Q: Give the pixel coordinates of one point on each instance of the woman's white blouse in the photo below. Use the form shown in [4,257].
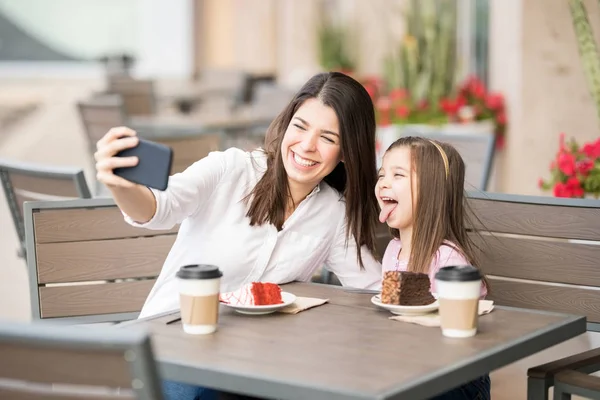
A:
[206,199]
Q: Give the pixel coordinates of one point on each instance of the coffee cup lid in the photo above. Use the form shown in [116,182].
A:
[458,273]
[201,271]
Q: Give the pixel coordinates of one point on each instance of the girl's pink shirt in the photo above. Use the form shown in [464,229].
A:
[445,256]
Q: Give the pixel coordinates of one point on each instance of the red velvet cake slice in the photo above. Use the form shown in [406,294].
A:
[254,294]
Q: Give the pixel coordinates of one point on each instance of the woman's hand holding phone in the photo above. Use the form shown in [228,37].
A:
[107,148]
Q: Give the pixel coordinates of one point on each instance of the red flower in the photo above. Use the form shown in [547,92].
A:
[474,86]
[501,118]
[402,111]
[500,140]
[575,187]
[398,94]
[566,163]
[560,190]
[423,104]
[494,101]
[540,183]
[370,88]
[592,150]
[572,188]
[584,167]
[383,107]
[561,140]
[450,106]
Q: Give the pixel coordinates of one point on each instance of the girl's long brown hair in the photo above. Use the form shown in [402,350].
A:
[353,178]
[439,212]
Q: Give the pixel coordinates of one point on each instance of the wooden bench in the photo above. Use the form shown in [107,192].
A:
[87,264]
[540,253]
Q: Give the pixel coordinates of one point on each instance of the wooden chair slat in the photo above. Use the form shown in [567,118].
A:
[55,365]
[81,224]
[102,259]
[50,392]
[93,299]
[542,296]
[540,260]
[546,220]
[62,187]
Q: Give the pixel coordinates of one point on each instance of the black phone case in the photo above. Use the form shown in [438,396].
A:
[153,168]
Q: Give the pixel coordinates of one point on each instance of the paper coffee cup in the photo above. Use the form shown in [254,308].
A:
[458,290]
[199,287]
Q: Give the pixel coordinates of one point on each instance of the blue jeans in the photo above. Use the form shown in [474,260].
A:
[478,389]
[183,391]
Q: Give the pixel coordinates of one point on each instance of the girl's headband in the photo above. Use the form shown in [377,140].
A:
[444,156]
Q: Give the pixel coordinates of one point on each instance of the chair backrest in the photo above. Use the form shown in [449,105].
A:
[27,181]
[138,94]
[45,361]
[99,114]
[476,150]
[86,264]
[223,87]
[537,252]
[540,252]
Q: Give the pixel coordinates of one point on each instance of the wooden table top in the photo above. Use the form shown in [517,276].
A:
[347,349]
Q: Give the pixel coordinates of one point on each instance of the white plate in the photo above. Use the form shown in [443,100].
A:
[287,298]
[405,310]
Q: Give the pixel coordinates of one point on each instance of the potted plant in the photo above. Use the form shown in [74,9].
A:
[575,171]
[419,85]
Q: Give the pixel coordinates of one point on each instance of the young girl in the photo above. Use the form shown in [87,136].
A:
[420,191]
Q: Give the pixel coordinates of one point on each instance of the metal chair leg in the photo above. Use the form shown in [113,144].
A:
[537,389]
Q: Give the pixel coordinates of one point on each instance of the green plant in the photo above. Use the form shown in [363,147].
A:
[426,62]
[588,50]
[334,47]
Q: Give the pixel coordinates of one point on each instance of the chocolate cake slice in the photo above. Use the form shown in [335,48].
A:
[406,288]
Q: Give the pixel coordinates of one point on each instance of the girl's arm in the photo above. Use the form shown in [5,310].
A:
[448,256]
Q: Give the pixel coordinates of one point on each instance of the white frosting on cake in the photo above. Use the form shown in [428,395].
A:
[241,297]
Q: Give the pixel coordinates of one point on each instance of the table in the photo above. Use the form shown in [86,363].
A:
[347,349]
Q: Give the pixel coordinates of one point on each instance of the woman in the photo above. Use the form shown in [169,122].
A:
[273,215]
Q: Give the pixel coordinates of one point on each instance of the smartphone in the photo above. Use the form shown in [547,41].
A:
[153,168]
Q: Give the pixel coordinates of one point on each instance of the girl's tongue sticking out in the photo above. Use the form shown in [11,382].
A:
[389,205]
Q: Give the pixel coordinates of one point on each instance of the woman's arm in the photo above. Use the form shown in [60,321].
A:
[188,190]
[343,262]
[151,208]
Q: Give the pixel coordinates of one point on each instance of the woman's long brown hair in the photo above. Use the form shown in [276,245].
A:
[353,179]
[439,211]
